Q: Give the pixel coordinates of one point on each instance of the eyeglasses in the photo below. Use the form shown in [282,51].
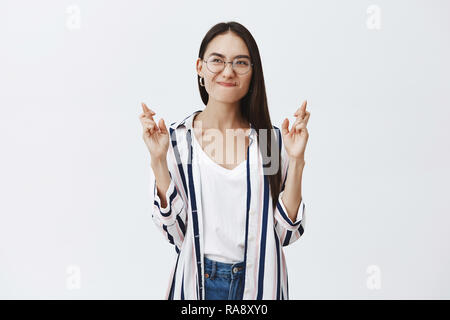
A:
[239,65]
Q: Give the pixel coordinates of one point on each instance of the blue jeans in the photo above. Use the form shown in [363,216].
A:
[224,281]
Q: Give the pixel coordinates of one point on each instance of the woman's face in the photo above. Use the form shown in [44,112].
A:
[229,45]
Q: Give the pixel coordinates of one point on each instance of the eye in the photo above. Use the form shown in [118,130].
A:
[242,62]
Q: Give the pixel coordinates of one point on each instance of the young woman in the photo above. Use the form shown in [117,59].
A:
[228,220]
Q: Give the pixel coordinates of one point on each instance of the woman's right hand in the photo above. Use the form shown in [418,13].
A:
[155,137]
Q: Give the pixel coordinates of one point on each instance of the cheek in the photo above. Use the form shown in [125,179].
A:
[209,81]
[245,82]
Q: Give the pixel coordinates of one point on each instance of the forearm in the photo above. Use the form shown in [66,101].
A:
[292,195]
[162,177]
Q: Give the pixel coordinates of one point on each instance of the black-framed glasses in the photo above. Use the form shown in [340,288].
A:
[239,65]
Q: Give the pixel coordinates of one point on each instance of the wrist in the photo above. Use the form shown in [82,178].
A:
[157,163]
[296,162]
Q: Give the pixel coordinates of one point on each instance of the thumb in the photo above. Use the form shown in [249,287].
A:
[285,127]
[162,126]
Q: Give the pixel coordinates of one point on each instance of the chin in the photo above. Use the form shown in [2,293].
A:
[227,98]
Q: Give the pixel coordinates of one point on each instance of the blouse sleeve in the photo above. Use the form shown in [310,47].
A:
[289,231]
[171,219]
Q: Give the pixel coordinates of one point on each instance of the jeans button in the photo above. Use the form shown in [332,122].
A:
[235,269]
[206,275]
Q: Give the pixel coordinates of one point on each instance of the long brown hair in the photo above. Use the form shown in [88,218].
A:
[254,104]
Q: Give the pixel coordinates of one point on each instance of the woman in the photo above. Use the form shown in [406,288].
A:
[228,221]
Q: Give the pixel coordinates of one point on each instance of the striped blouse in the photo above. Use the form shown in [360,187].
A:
[267,230]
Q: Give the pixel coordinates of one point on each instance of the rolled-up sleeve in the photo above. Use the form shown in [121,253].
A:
[289,231]
[174,204]
[171,219]
[285,220]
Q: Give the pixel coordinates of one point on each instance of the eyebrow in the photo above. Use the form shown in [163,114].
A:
[222,56]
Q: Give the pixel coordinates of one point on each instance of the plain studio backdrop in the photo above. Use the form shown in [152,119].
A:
[76,199]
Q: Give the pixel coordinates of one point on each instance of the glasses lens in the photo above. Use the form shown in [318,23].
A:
[215,64]
[241,65]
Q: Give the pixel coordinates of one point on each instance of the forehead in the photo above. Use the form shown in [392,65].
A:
[228,44]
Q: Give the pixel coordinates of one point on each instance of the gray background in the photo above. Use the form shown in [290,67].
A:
[75,210]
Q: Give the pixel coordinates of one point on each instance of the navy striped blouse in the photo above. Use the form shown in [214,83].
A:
[267,230]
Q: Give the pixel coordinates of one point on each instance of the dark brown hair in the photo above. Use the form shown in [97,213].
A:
[253,105]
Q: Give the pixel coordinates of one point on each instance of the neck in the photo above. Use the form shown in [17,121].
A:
[221,115]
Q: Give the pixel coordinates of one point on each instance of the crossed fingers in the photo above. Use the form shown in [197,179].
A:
[302,117]
[147,119]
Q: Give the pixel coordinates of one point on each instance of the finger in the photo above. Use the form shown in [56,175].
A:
[142,119]
[153,127]
[148,112]
[301,111]
[146,109]
[142,116]
[150,125]
[297,121]
[306,119]
[285,126]
[299,127]
[294,127]
[146,121]
[304,131]
[300,119]
[162,126]
[298,112]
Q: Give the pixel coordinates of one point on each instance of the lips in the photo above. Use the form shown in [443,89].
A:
[226,84]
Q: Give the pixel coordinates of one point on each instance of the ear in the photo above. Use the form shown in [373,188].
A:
[199,65]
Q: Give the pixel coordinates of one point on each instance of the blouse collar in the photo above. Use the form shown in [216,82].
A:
[188,121]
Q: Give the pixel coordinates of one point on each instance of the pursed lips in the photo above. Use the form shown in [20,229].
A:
[225,84]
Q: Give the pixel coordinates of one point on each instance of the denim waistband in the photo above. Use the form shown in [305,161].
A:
[215,268]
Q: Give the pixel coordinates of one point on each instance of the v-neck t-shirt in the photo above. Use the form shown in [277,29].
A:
[224,195]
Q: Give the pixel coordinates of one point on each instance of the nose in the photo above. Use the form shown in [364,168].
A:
[228,71]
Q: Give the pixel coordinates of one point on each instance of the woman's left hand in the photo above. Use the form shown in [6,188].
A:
[295,139]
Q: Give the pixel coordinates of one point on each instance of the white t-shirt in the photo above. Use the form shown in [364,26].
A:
[224,219]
